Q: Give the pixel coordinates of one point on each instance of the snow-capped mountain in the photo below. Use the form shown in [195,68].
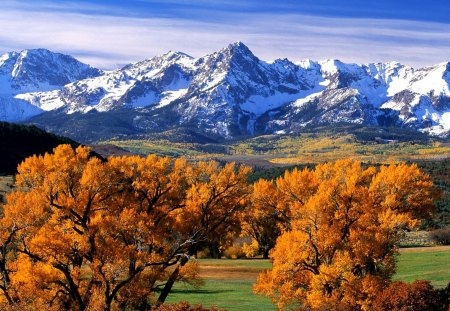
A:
[425,102]
[36,70]
[226,94]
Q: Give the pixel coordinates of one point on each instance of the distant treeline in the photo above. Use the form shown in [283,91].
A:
[440,174]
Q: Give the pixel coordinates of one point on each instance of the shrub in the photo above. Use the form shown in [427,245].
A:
[202,254]
[440,236]
[235,251]
[417,296]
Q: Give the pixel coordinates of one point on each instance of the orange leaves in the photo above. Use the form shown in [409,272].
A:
[264,218]
[93,234]
[403,188]
[214,196]
[297,186]
[345,223]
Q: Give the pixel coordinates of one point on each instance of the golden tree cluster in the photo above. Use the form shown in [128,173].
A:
[84,234]
[80,233]
[344,224]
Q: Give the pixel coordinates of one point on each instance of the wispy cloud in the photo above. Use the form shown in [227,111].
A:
[100,36]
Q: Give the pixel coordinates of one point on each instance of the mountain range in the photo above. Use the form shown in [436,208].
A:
[224,95]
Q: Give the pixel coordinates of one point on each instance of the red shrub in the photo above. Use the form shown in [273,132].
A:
[183,306]
[418,296]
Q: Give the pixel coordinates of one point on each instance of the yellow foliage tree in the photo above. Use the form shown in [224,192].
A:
[345,224]
[82,234]
[264,218]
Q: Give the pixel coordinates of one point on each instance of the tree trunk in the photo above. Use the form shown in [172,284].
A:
[214,250]
[108,303]
[6,281]
[172,278]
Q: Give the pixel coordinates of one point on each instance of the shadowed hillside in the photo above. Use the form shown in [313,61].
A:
[18,142]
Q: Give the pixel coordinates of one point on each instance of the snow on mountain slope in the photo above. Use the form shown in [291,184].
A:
[293,82]
[433,79]
[230,92]
[40,70]
[149,82]
[232,88]
[31,71]
[14,110]
[425,101]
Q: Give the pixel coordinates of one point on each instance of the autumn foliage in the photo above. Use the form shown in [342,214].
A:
[418,296]
[82,234]
[264,218]
[345,223]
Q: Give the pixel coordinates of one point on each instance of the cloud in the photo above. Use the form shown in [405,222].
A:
[108,40]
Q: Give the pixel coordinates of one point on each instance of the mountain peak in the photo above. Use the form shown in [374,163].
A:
[308,64]
[40,70]
[45,54]
[37,51]
[238,44]
[446,68]
[238,47]
[237,53]
[333,66]
[235,56]
[332,62]
[176,54]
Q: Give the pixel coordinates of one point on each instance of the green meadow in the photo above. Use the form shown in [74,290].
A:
[228,282]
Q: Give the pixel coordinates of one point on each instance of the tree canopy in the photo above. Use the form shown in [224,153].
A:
[345,223]
[79,233]
[82,234]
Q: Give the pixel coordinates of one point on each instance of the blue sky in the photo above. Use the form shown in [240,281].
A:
[112,33]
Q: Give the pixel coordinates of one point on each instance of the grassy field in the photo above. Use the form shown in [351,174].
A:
[228,283]
[425,263]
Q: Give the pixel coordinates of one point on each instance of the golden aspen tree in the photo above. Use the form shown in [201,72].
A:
[264,218]
[84,234]
[90,234]
[345,224]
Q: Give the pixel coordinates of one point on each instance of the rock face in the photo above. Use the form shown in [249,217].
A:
[227,94]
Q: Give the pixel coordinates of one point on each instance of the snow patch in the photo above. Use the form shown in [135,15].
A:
[170,96]
[445,120]
[431,80]
[303,101]
[144,101]
[44,100]
[258,104]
